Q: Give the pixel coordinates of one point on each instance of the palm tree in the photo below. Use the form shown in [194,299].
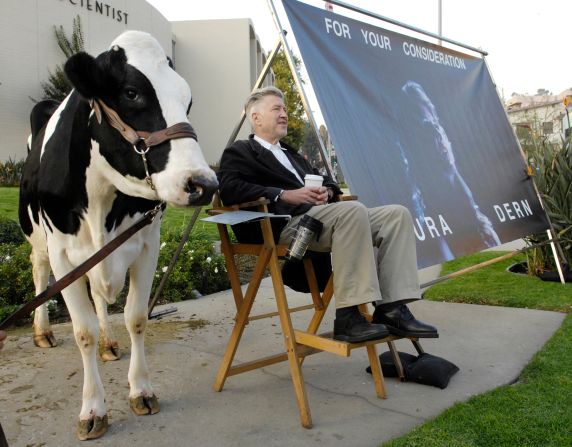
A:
[58,86]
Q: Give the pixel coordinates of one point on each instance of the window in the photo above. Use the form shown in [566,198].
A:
[547,128]
[523,130]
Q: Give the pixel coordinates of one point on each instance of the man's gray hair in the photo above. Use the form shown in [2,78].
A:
[257,95]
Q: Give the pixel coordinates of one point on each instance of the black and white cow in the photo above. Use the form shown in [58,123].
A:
[83,184]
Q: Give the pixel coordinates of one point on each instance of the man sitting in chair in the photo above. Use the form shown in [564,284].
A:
[262,166]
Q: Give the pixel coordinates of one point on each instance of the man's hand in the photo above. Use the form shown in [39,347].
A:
[2,338]
[313,195]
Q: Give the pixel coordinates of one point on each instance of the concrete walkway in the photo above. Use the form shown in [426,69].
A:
[41,389]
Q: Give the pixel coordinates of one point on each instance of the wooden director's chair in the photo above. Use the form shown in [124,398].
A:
[299,344]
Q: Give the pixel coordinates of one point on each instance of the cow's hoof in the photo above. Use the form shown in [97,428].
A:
[92,428]
[110,352]
[144,405]
[45,340]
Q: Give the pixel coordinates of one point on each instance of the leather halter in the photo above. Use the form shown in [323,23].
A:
[140,140]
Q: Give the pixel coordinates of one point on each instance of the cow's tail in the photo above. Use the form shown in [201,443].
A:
[40,116]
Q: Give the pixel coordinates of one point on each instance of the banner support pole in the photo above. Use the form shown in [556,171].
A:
[484,264]
[301,91]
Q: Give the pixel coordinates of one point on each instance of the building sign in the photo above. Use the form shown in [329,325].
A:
[420,125]
[101,8]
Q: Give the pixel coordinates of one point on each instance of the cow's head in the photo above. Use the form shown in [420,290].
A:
[134,78]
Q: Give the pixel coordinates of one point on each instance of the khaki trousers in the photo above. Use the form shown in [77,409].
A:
[373,251]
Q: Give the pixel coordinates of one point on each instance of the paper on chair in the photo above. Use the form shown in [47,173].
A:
[236,217]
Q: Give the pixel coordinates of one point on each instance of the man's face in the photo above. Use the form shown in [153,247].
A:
[270,119]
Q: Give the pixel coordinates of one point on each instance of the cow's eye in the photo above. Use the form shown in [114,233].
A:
[131,94]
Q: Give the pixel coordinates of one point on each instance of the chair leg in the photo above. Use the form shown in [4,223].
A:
[418,346]
[319,313]
[396,360]
[376,371]
[290,342]
[241,319]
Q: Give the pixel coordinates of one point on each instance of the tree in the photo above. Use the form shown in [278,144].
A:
[58,85]
[310,147]
[284,80]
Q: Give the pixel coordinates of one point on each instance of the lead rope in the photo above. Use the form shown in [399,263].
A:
[25,309]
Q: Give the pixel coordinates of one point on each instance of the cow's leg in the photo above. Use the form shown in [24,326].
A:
[141,396]
[93,415]
[43,335]
[108,346]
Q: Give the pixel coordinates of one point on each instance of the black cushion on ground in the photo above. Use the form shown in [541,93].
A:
[431,370]
[426,369]
[388,368]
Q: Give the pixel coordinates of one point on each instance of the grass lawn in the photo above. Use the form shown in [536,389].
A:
[537,409]
[497,287]
[175,218]
[9,202]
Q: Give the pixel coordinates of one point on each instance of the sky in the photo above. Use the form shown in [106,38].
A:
[528,41]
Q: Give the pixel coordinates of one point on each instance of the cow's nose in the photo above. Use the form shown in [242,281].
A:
[201,190]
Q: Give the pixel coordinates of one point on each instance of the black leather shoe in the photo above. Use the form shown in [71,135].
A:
[352,327]
[400,321]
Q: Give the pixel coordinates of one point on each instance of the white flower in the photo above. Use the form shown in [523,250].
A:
[162,245]
[209,259]
[164,269]
[8,257]
[216,269]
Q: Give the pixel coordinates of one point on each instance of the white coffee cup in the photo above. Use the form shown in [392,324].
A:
[313,180]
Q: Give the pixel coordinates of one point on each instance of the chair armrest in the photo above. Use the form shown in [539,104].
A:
[260,203]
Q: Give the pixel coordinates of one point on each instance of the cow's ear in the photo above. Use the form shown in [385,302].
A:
[97,77]
[83,72]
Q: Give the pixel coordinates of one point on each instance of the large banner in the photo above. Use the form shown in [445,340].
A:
[420,125]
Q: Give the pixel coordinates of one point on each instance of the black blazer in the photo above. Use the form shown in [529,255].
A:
[249,171]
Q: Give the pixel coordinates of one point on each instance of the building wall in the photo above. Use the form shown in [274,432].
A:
[29,49]
[221,60]
[540,115]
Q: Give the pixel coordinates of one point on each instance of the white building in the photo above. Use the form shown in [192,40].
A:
[220,59]
[546,116]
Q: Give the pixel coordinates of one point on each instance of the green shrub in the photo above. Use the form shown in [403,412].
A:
[17,285]
[10,232]
[551,167]
[198,268]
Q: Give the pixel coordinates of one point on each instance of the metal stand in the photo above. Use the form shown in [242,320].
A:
[173,261]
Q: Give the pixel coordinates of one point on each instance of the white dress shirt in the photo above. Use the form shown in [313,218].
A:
[278,152]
